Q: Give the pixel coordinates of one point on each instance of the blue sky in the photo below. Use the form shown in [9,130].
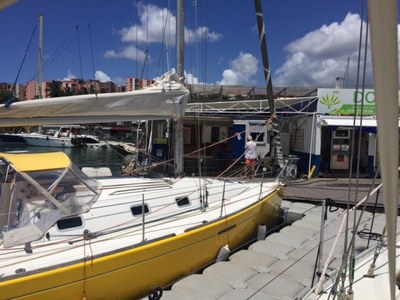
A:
[309,41]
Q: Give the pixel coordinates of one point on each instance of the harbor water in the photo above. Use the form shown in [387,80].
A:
[82,157]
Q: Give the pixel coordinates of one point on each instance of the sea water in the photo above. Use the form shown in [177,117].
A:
[82,157]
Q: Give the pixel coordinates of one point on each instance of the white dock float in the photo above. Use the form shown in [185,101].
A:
[281,266]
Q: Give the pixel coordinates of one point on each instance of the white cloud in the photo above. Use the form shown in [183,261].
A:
[152,26]
[320,56]
[156,25]
[130,52]
[101,76]
[119,80]
[69,76]
[242,70]
[190,78]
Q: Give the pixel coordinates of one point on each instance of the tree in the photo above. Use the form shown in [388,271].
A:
[84,91]
[5,96]
[67,91]
[54,89]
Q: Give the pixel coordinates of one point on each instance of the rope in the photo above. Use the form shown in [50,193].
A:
[86,237]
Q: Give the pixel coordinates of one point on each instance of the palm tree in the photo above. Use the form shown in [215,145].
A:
[54,89]
[67,91]
[7,96]
[4,96]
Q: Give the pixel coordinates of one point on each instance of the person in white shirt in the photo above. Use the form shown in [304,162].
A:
[250,155]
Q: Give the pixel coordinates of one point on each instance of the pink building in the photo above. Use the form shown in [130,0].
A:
[74,85]
[31,90]
[79,86]
[133,84]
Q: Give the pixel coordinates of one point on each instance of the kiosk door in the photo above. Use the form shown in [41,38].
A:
[340,151]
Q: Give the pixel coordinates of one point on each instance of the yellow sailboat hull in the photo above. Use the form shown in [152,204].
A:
[135,272]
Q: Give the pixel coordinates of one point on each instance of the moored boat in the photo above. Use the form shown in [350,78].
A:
[67,236]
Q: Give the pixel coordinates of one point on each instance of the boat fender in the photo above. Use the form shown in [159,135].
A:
[223,253]
[156,295]
[262,232]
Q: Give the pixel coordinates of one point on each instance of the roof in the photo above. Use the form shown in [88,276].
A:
[347,121]
[247,107]
[37,161]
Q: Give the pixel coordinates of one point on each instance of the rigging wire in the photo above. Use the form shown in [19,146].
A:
[352,148]
[353,250]
[169,35]
[79,50]
[163,43]
[12,96]
[91,49]
[136,47]
[57,53]
[147,42]
[364,201]
[195,37]
[146,52]
[205,50]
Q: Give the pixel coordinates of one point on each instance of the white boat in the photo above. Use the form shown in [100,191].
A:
[43,140]
[57,140]
[36,139]
[88,141]
[373,274]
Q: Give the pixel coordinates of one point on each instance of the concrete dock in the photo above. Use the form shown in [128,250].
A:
[284,264]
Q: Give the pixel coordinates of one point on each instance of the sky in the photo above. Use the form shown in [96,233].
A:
[310,42]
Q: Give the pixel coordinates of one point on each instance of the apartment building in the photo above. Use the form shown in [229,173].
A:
[133,83]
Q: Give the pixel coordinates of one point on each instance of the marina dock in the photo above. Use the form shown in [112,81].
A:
[285,264]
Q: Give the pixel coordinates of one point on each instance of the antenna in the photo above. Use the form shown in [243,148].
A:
[346,74]
[339,81]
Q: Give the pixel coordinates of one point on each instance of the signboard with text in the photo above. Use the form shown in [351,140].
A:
[346,102]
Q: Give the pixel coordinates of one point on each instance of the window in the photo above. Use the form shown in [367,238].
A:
[187,135]
[182,201]
[214,134]
[138,210]
[69,223]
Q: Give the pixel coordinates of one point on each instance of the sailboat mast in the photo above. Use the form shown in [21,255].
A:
[383,24]
[40,56]
[268,81]
[180,43]
[180,37]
